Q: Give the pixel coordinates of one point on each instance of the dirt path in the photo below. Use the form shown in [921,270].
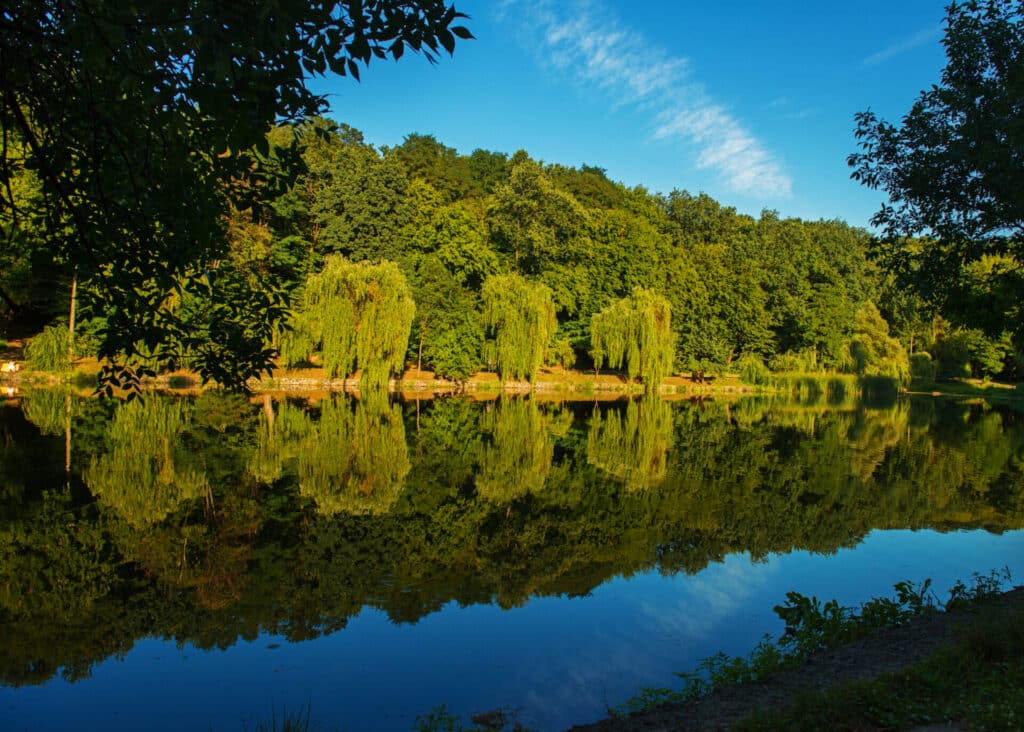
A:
[885,652]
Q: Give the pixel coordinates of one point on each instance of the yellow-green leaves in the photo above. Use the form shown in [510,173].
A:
[357,316]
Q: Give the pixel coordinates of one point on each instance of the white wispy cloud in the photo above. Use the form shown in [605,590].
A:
[579,38]
[921,38]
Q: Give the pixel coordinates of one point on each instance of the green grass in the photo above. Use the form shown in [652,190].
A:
[979,683]
[812,626]
[977,389]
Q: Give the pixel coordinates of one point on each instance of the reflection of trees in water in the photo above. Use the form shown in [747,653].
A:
[872,434]
[281,437]
[144,475]
[352,459]
[517,458]
[355,461]
[47,409]
[633,447]
[740,477]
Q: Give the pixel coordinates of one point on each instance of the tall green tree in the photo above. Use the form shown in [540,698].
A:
[874,351]
[533,222]
[952,168]
[635,332]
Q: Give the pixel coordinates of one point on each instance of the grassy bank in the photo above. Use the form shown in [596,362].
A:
[978,684]
[969,389]
[775,687]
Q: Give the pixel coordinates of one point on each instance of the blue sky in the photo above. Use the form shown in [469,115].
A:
[749,102]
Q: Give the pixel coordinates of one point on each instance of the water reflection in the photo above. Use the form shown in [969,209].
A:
[632,447]
[211,519]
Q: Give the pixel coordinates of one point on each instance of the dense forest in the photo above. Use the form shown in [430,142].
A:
[215,518]
[417,255]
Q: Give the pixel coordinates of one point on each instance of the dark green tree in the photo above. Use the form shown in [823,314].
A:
[141,119]
[952,168]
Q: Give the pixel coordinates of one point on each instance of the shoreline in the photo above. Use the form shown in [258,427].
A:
[873,659]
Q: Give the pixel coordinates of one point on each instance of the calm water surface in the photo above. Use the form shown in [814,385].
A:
[202,563]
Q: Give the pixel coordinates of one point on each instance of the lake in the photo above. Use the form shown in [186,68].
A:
[208,562]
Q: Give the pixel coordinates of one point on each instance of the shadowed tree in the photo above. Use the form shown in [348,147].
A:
[140,119]
[952,168]
[874,351]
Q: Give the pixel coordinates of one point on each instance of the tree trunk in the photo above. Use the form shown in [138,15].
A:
[71,317]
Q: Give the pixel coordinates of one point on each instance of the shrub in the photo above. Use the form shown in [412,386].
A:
[922,367]
[793,361]
[48,351]
[752,369]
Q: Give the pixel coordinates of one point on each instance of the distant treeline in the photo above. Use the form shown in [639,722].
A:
[497,262]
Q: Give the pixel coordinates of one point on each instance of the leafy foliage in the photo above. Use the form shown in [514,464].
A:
[635,332]
[521,317]
[50,350]
[357,316]
[951,168]
[874,351]
[144,126]
[812,626]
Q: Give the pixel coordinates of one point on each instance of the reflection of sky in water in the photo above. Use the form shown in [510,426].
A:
[559,660]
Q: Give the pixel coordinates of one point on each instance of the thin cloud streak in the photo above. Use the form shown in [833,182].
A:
[920,38]
[628,67]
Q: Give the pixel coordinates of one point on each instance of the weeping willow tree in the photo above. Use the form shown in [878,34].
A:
[142,476]
[355,460]
[874,351]
[635,332]
[633,447]
[357,316]
[518,457]
[520,317]
[281,438]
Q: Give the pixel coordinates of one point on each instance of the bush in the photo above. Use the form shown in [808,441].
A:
[48,351]
[752,369]
[922,367]
[561,353]
[793,361]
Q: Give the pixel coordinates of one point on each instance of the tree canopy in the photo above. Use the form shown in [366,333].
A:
[144,122]
[952,168]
